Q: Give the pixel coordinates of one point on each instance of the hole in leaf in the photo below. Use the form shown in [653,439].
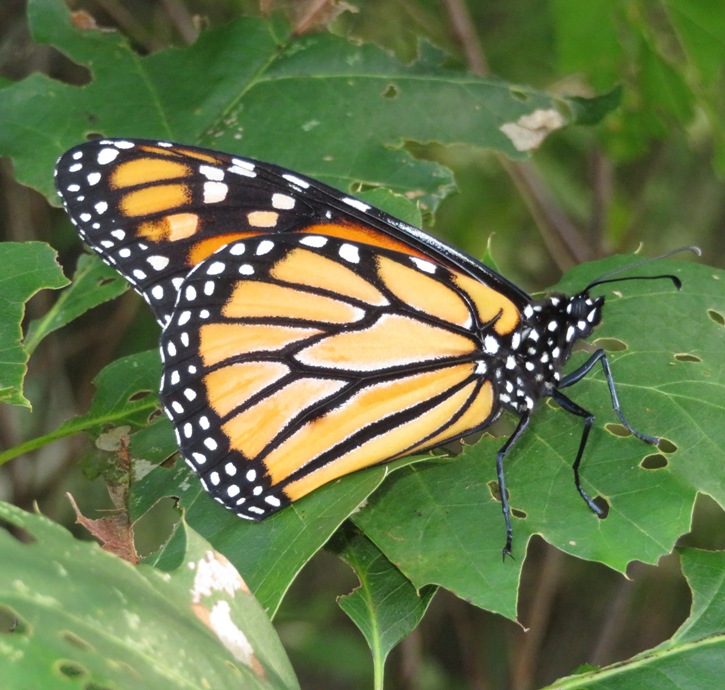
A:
[666,446]
[503,427]
[391,91]
[550,403]
[716,316]
[76,641]
[603,506]
[687,357]
[11,622]
[521,514]
[71,669]
[617,430]
[139,395]
[20,533]
[611,344]
[106,281]
[656,461]
[494,490]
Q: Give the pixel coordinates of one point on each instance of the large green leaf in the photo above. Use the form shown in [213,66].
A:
[24,270]
[385,607]
[71,613]
[439,522]
[330,108]
[695,655]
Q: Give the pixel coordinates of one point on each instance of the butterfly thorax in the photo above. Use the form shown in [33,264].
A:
[529,363]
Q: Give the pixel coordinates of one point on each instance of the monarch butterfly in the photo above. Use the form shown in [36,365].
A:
[306,334]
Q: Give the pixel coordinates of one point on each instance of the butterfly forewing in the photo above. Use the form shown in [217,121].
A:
[291,361]
[154,210]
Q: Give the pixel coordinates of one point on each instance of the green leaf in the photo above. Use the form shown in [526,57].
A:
[93,283]
[385,607]
[671,381]
[268,554]
[330,108]
[25,269]
[588,40]
[72,613]
[591,111]
[695,655]
[703,571]
[126,394]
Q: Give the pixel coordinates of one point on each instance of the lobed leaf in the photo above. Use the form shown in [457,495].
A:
[25,269]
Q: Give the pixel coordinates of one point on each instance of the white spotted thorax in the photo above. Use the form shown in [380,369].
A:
[534,354]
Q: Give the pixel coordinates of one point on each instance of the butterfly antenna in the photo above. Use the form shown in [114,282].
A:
[610,277]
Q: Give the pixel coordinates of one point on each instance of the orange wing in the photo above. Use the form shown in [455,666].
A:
[154,210]
[295,359]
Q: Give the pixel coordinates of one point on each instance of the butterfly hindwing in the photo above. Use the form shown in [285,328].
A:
[295,359]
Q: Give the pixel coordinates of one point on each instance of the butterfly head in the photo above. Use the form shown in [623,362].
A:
[551,327]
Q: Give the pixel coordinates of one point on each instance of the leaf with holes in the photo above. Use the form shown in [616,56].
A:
[72,613]
[341,111]
[450,506]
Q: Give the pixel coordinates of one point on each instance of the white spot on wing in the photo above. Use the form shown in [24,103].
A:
[316,241]
[356,203]
[423,265]
[264,247]
[349,252]
[216,268]
[214,192]
[107,155]
[282,201]
[211,173]
[158,263]
[293,179]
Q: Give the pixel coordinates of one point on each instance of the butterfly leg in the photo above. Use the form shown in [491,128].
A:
[583,370]
[523,423]
[570,406]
